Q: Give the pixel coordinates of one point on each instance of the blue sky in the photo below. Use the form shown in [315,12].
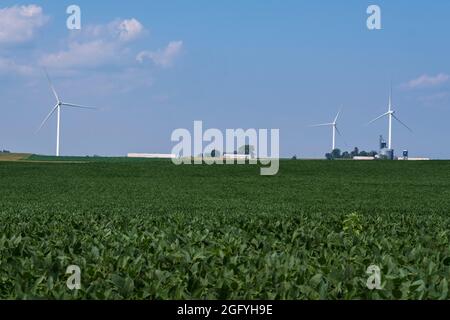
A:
[155,66]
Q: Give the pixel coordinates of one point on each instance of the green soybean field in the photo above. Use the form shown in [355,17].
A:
[147,229]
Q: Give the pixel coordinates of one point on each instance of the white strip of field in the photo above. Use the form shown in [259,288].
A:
[151,155]
[364,158]
[237,156]
[415,159]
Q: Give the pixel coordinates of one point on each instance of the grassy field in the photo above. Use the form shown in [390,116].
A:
[147,229]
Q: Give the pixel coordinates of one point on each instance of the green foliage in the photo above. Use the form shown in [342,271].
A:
[352,224]
[152,230]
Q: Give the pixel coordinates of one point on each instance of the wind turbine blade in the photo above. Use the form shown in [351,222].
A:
[77,106]
[46,118]
[322,125]
[51,85]
[340,134]
[383,115]
[337,116]
[402,123]
[390,97]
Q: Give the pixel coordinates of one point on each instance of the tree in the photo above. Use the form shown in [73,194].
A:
[346,155]
[355,152]
[336,153]
[363,154]
[329,156]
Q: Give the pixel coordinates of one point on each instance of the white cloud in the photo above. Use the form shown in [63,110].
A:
[88,54]
[18,24]
[163,58]
[118,30]
[107,46]
[426,81]
[130,29]
[9,67]
[96,45]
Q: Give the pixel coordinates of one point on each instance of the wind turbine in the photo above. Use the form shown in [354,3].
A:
[57,108]
[391,115]
[334,126]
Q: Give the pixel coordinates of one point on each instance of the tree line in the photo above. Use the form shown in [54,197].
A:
[338,154]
